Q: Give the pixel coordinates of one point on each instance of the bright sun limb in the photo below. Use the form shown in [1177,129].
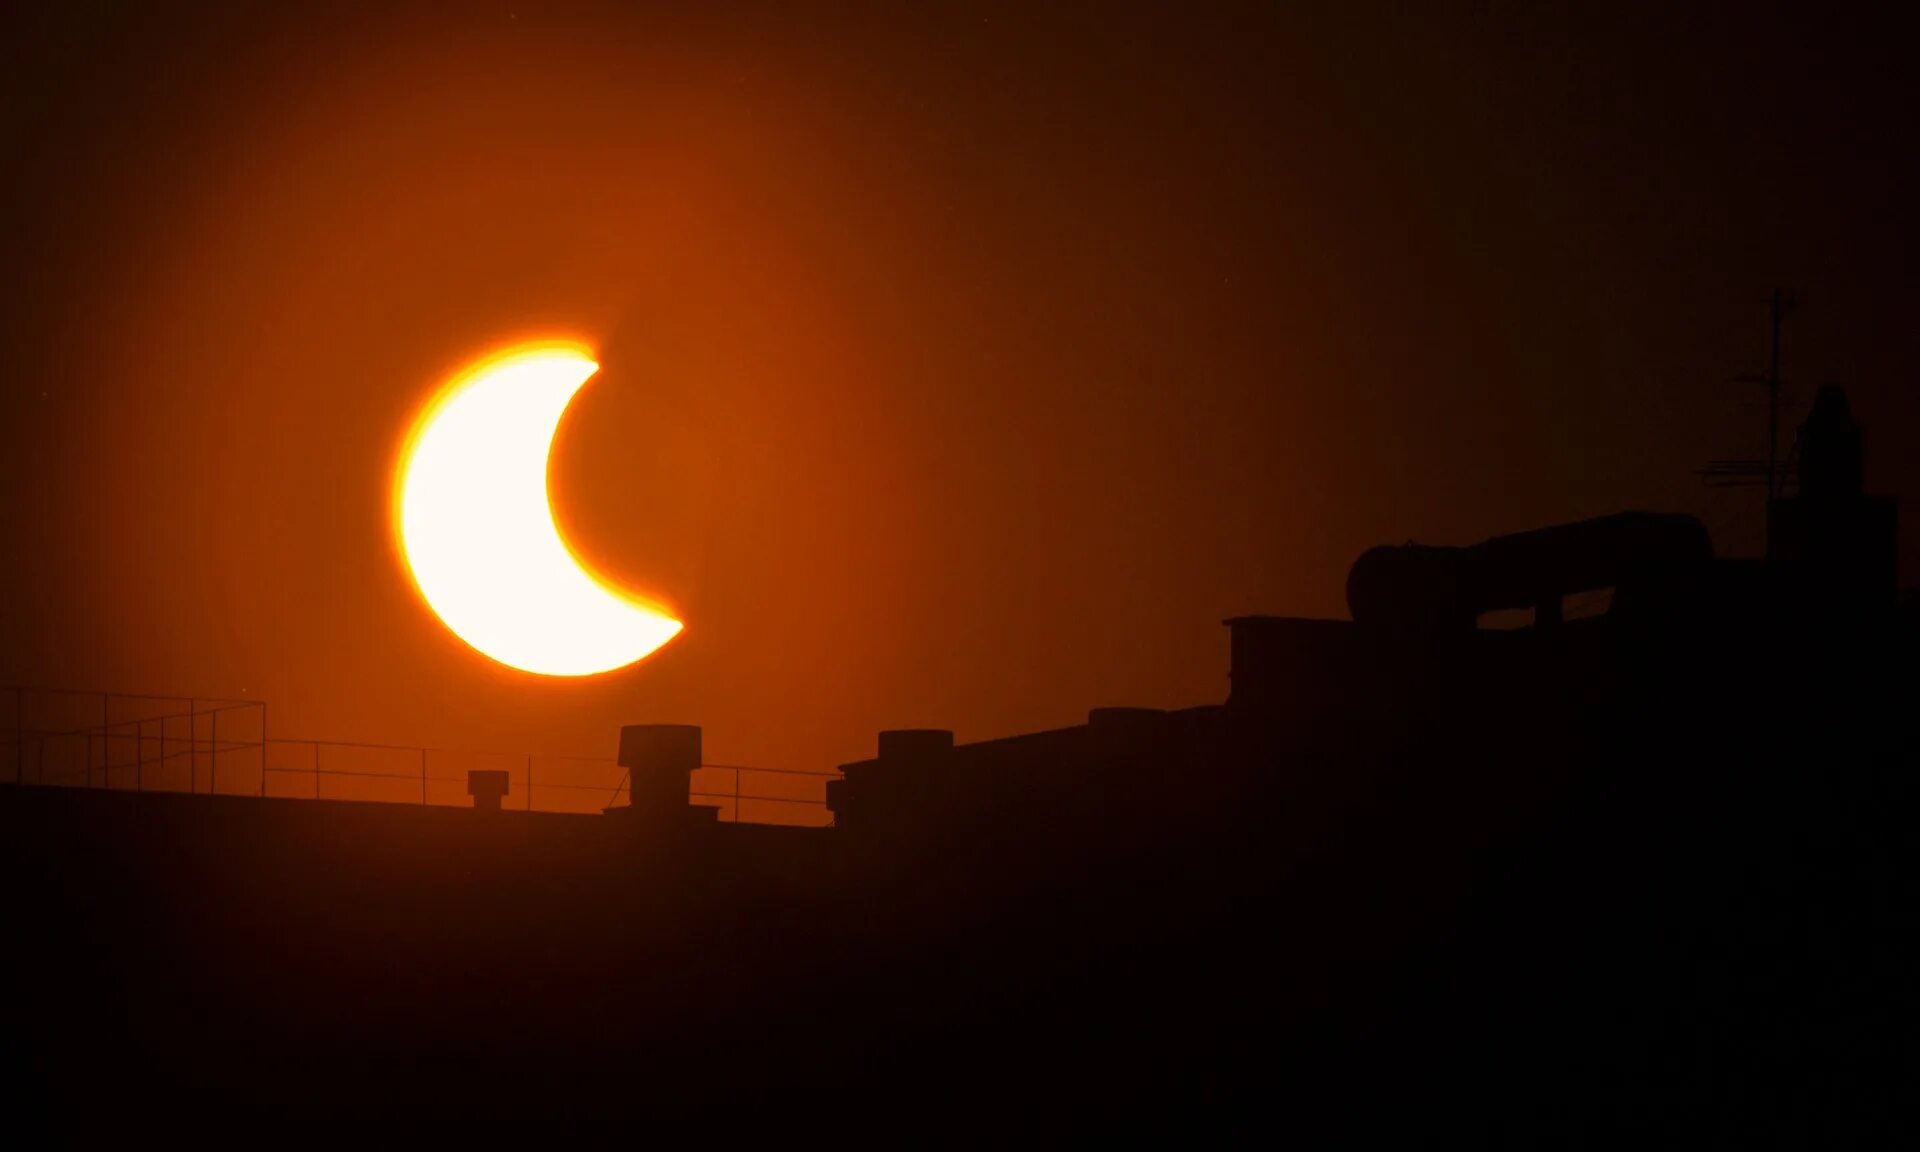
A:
[477,528]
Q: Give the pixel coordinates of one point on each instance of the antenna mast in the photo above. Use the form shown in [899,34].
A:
[1773,407]
[1772,471]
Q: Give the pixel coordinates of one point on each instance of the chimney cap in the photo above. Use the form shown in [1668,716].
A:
[660,746]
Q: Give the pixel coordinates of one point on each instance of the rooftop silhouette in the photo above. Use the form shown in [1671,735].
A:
[1598,875]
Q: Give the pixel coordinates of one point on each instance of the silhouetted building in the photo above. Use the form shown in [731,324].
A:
[1642,872]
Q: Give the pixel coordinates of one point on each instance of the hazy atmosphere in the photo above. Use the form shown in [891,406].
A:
[962,369]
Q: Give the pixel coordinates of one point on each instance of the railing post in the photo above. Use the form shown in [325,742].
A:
[213,758]
[736,795]
[423,777]
[263,749]
[193,749]
[316,769]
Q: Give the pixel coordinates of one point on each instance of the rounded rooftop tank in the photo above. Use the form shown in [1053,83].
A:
[1422,586]
[915,743]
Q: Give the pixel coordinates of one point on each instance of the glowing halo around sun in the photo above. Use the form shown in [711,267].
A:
[477,530]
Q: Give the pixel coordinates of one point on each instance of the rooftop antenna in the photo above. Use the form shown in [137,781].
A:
[1772,381]
[1772,471]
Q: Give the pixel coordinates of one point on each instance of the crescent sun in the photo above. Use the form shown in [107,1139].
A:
[477,529]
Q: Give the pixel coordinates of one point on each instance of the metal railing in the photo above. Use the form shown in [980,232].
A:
[737,797]
[414,774]
[220,746]
[133,740]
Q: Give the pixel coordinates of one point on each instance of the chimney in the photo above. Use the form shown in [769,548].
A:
[660,759]
[1836,547]
[1830,456]
[487,788]
[894,786]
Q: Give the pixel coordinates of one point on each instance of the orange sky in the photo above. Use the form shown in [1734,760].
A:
[961,369]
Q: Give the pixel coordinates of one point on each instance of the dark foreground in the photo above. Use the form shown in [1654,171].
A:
[1580,887]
